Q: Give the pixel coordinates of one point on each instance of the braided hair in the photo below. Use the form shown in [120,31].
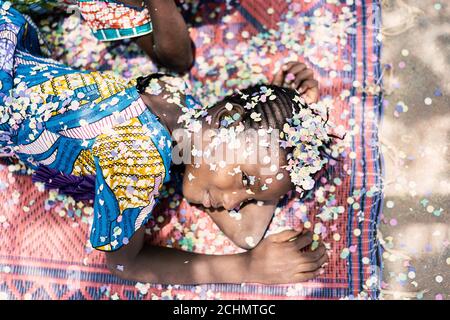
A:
[274,113]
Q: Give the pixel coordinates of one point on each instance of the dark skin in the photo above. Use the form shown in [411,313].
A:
[169,44]
[221,190]
[227,192]
[285,257]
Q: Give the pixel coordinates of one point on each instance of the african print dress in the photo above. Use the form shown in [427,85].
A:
[81,124]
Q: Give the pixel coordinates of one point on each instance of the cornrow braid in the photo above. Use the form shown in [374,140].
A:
[274,113]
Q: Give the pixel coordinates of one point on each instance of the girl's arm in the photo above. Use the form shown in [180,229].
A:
[277,259]
[169,43]
[150,264]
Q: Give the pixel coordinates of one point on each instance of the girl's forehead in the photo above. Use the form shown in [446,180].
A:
[251,139]
[268,183]
[275,171]
[261,150]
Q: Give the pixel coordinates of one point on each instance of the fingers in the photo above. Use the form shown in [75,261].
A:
[313,266]
[278,79]
[298,68]
[288,73]
[303,240]
[292,78]
[286,67]
[312,261]
[311,96]
[309,271]
[298,76]
[310,91]
[313,255]
[306,276]
[302,76]
[307,85]
[285,236]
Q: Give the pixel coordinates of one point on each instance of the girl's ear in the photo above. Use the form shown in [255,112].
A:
[227,115]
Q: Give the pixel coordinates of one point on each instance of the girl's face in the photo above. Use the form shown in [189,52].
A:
[237,170]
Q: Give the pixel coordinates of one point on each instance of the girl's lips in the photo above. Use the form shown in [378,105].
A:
[213,202]
[206,200]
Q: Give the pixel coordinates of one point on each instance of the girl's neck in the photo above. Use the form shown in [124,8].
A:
[167,113]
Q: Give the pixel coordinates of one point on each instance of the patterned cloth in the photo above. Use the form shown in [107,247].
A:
[40,6]
[227,58]
[111,20]
[82,124]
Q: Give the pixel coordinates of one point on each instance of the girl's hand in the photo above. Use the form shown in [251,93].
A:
[298,76]
[278,259]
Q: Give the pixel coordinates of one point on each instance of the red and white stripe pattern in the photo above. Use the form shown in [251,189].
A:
[42,144]
[8,35]
[49,160]
[25,62]
[94,129]
[148,209]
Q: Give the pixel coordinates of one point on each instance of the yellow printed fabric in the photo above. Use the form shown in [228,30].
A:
[129,176]
[89,134]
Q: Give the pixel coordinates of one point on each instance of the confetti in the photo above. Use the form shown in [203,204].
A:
[252,58]
[250,241]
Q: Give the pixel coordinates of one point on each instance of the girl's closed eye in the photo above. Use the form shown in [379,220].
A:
[245,180]
[248,182]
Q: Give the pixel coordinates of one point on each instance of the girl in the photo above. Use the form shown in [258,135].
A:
[157,26]
[87,127]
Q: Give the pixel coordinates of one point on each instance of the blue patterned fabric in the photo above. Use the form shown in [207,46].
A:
[77,124]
